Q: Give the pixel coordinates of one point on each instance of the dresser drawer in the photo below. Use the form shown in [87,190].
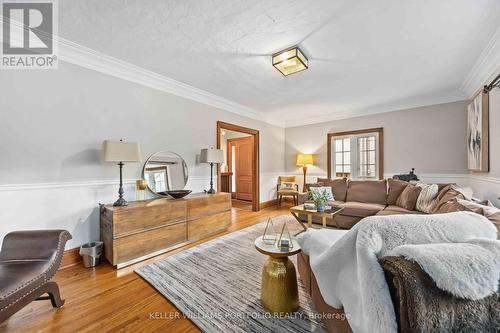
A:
[206,226]
[151,215]
[141,244]
[208,205]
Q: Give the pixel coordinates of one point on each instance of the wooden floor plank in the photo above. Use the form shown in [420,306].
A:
[107,300]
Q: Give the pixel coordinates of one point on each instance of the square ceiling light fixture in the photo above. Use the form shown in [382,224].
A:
[290,61]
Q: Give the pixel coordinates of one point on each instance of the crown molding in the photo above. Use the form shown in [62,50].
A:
[82,56]
[485,66]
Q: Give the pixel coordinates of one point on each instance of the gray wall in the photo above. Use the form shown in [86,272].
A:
[430,139]
[53,122]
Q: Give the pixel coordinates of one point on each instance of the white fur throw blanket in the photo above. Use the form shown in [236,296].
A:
[347,269]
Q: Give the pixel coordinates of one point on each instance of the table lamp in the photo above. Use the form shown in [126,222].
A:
[120,151]
[304,160]
[212,156]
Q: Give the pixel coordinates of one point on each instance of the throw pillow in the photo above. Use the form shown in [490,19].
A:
[308,186]
[287,186]
[321,189]
[339,187]
[426,197]
[445,195]
[408,198]
[396,187]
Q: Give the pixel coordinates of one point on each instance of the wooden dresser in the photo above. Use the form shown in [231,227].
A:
[147,228]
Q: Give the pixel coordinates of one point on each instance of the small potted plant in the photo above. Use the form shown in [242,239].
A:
[320,199]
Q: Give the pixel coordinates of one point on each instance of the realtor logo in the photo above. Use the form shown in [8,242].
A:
[28,28]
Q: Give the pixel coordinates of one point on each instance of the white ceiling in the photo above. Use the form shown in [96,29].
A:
[365,56]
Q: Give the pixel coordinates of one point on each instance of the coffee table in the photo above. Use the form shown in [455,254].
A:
[300,210]
[279,292]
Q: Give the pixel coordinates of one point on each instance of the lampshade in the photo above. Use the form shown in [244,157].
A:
[120,151]
[212,156]
[303,159]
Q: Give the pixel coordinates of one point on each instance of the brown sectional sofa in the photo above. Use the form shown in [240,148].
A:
[363,198]
[409,295]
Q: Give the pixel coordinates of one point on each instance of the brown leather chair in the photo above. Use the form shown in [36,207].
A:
[28,260]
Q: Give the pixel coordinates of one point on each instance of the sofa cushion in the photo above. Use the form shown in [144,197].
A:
[361,209]
[339,187]
[396,187]
[336,203]
[367,191]
[396,210]
[409,196]
[345,222]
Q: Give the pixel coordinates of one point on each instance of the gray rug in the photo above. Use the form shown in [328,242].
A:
[217,286]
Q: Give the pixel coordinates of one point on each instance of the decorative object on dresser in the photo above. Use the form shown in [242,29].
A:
[166,174]
[147,228]
[411,176]
[478,133]
[141,185]
[287,187]
[120,151]
[304,160]
[212,156]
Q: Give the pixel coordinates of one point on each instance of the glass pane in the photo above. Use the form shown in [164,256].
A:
[338,168]
[371,143]
[338,158]
[338,144]
[361,144]
[347,158]
[372,170]
[347,168]
[372,158]
[347,144]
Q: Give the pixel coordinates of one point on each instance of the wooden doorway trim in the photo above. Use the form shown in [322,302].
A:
[379,130]
[255,167]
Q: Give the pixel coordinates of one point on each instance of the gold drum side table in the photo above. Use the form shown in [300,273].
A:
[279,291]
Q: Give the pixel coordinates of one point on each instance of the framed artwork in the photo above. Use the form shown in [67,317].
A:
[478,133]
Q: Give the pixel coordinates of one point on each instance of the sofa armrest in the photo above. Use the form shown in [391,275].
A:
[303,197]
[34,244]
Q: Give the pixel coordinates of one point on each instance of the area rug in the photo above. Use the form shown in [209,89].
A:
[217,286]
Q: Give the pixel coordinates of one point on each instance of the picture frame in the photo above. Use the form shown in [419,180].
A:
[478,133]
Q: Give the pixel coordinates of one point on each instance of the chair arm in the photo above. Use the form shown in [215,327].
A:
[34,244]
[303,197]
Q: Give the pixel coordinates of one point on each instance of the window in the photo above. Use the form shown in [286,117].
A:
[342,157]
[356,154]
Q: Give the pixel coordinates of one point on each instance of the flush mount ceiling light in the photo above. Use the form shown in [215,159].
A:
[290,61]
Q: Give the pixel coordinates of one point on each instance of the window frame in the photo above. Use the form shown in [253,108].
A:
[380,147]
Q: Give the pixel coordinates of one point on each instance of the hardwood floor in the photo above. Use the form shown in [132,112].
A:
[108,300]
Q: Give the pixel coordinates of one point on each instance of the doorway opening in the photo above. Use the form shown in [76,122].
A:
[239,174]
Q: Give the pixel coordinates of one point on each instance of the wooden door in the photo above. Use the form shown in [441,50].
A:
[243,166]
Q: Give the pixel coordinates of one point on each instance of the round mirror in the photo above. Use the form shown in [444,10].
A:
[164,172]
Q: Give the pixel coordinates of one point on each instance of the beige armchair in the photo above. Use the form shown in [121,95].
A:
[287,186]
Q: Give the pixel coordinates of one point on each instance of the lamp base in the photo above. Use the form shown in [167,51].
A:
[211,191]
[120,202]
